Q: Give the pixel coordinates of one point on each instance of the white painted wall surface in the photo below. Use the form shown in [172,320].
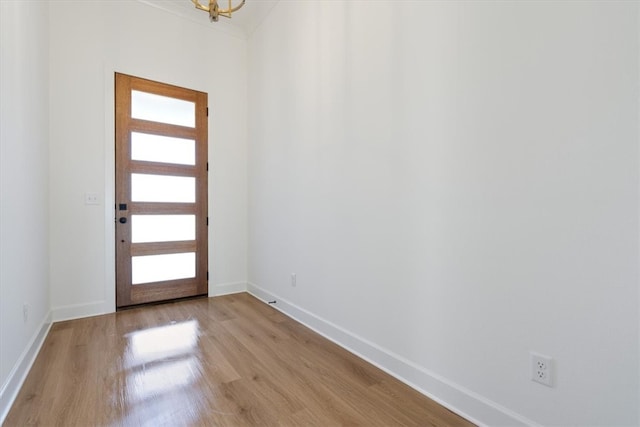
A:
[24,189]
[89,41]
[457,183]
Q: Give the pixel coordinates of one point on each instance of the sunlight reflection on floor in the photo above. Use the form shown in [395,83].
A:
[161,364]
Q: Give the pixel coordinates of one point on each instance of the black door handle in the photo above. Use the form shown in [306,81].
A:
[123,220]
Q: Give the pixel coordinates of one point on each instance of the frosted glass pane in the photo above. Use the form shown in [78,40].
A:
[162,188]
[157,268]
[158,108]
[165,149]
[162,228]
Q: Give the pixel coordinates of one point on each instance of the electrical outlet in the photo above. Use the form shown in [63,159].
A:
[293,279]
[542,369]
[25,312]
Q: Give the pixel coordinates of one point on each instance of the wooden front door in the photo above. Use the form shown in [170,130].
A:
[161,191]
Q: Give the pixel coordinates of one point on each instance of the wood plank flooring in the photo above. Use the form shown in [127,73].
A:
[230,361]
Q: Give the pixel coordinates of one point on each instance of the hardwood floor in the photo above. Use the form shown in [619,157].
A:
[228,360]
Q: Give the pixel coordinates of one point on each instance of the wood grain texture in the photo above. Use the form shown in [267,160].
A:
[128,294]
[230,361]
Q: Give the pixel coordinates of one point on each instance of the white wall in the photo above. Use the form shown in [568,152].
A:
[456,185]
[24,169]
[89,41]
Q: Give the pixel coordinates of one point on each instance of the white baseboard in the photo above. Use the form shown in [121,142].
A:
[227,289]
[18,374]
[77,311]
[456,398]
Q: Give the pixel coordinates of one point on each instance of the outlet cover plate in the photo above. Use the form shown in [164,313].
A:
[542,369]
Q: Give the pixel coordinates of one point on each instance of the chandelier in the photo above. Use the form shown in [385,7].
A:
[214,10]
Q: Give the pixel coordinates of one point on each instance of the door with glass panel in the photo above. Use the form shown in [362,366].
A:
[161,191]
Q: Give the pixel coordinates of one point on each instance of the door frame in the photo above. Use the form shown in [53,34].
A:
[104,301]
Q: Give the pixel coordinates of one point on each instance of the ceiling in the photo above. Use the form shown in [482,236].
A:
[242,24]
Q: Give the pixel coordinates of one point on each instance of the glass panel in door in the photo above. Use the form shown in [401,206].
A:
[162,109]
[158,268]
[162,228]
[162,188]
[164,149]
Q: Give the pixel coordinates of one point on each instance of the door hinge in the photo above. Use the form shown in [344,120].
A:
[207,166]
[207,220]
[207,275]
[207,111]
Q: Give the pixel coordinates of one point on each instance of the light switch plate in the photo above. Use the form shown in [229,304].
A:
[91,199]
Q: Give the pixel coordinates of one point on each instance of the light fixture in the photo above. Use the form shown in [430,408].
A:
[214,10]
